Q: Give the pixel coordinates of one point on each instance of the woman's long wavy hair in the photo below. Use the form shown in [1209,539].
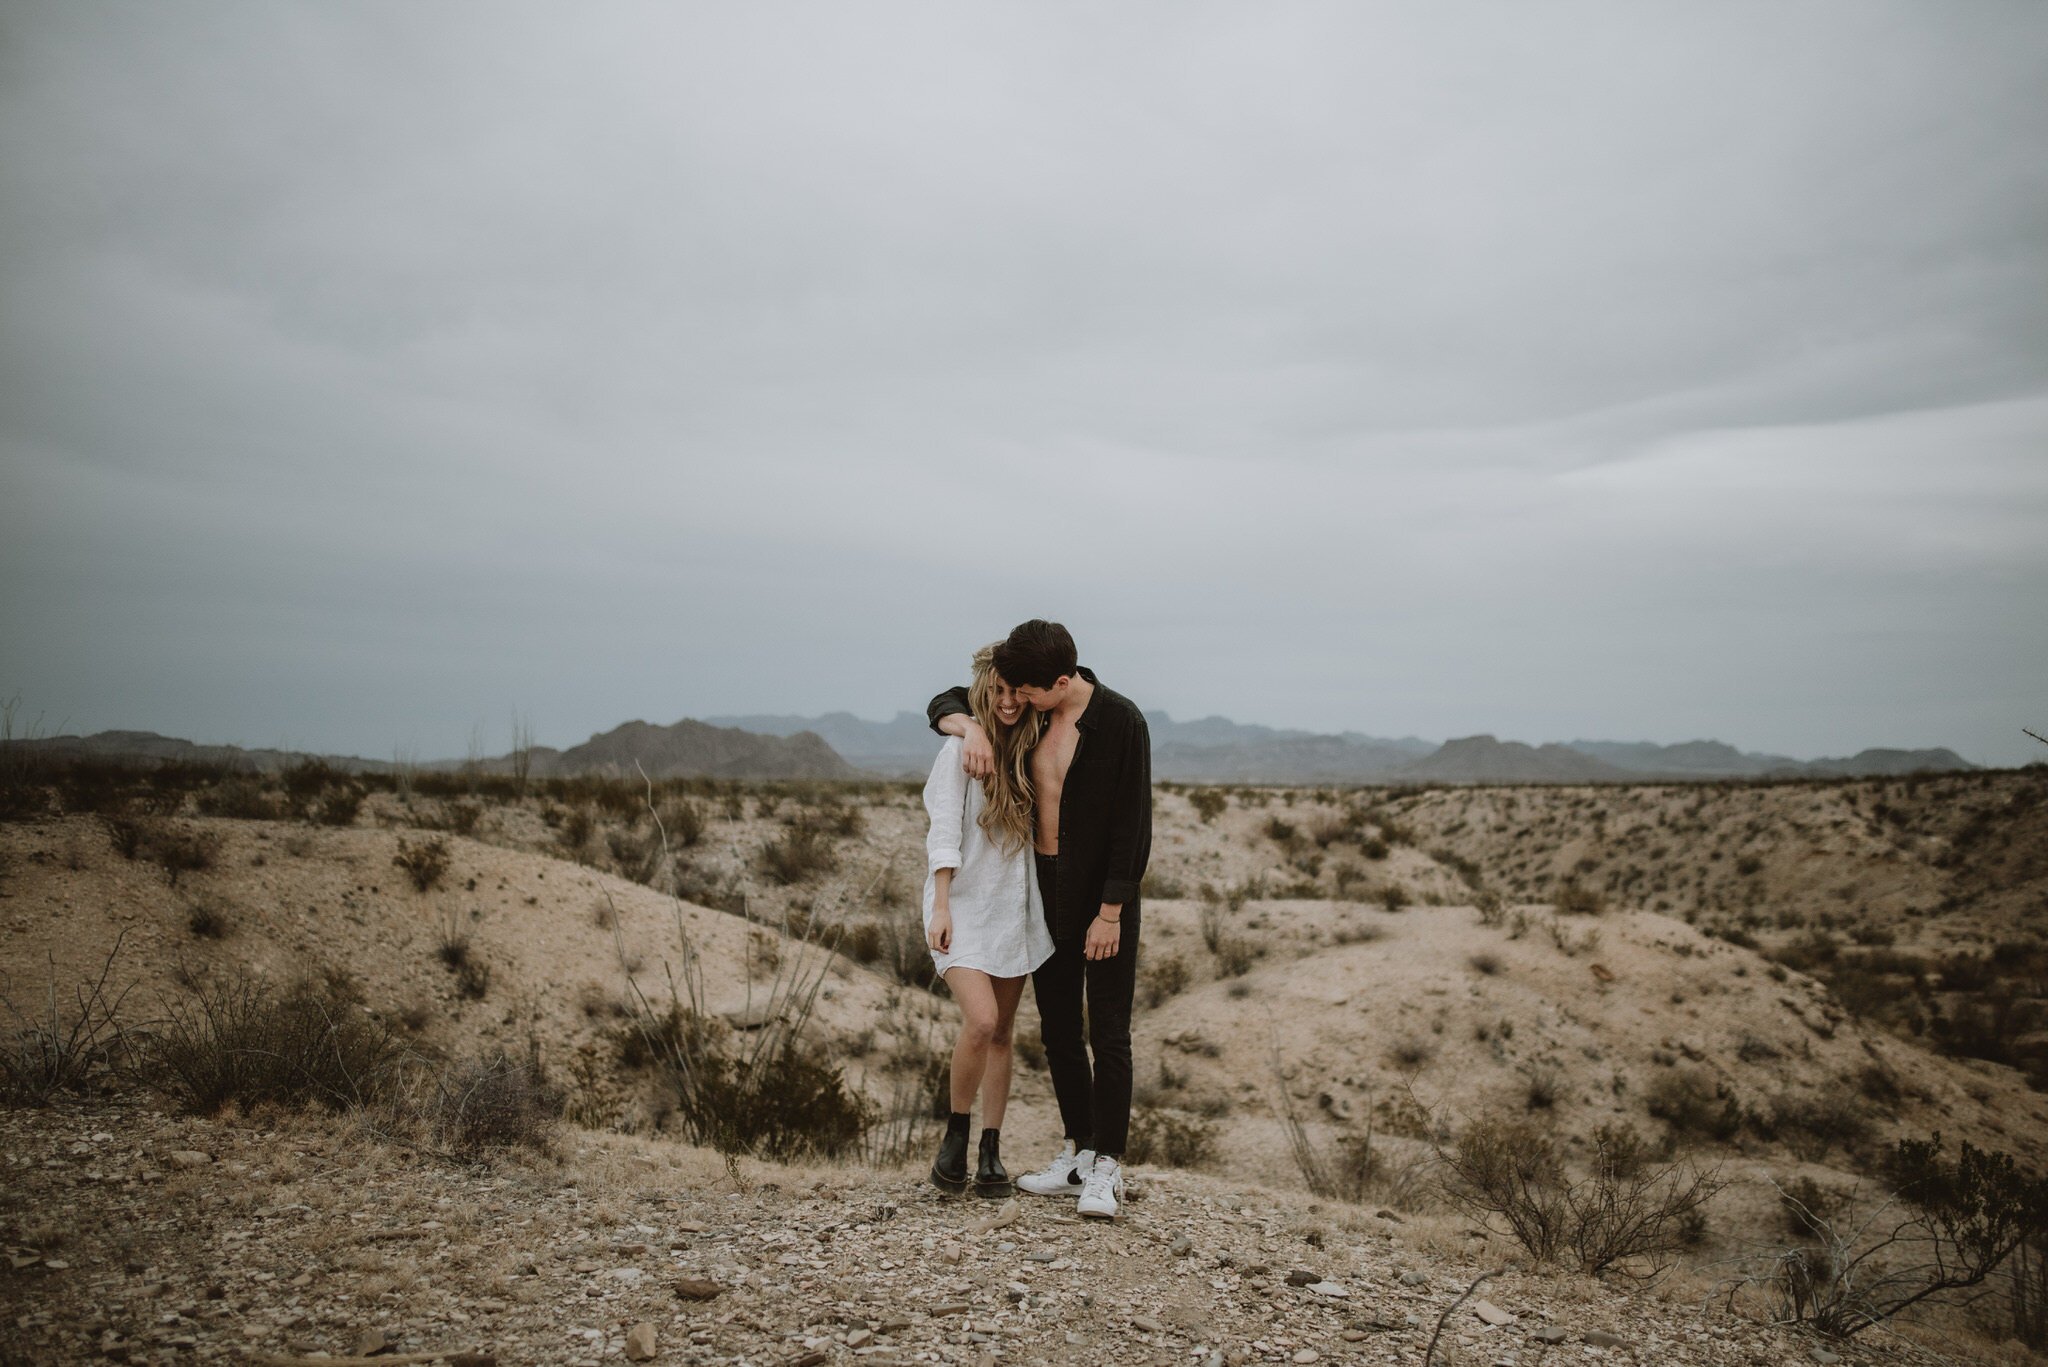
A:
[1006,810]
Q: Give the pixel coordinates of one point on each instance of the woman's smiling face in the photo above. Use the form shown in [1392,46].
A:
[1008,703]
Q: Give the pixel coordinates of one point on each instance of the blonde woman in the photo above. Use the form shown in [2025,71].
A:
[983,916]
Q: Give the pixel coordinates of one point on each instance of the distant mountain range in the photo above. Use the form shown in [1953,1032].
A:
[840,745]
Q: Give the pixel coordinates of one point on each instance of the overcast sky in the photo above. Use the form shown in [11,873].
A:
[370,372]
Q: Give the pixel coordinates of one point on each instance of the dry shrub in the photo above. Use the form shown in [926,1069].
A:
[495,1102]
[1394,897]
[1622,1210]
[1163,977]
[1812,1126]
[62,1046]
[1693,1105]
[239,1040]
[802,852]
[242,798]
[425,863]
[1576,899]
[1209,803]
[1170,1137]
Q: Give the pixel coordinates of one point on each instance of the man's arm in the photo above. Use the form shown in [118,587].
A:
[1130,821]
[950,715]
[1130,839]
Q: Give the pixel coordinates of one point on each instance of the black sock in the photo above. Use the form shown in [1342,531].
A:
[957,1122]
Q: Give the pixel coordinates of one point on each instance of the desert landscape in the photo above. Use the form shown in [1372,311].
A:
[646,1069]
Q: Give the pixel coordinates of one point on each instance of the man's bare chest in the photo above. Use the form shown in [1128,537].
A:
[1053,757]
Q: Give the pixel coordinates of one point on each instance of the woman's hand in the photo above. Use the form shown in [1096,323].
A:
[939,935]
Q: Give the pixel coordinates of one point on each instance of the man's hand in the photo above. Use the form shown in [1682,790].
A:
[1103,938]
[977,756]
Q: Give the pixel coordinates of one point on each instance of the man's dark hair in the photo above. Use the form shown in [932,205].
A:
[1036,654]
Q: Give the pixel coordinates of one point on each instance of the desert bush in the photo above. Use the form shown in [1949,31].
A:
[177,850]
[1813,950]
[1811,1126]
[1211,918]
[682,822]
[1576,899]
[241,798]
[1693,1106]
[1170,1137]
[1492,909]
[802,852]
[425,863]
[1989,1028]
[1620,1211]
[473,979]
[1948,1228]
[1234,956]
[238,1040]
[341,805]
[1161,887]
[1394,897]
[1209,803]
[862,942]
[1543,1087]
[60,1047]
[1163,977]
[1485,962]
[208,920]
[495,1102]
[1410,1052]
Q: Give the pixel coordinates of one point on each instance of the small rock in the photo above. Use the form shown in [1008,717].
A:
[1330,1289]
[696,1289]
[1600,1338]
[640,1342]
[895,1324]
[1040,1256]
[949,1308]
[371,1342]
[1491,1313]
[1388,1215]
[185,1159]
[1822,1355]
[860,1338]
[1549,1333]
[1074,1340]
[1145,1324]
[1303,1277]
[1306,1355]
[631,1276]
[1182,1246]
[1415,1279]
[810,1359]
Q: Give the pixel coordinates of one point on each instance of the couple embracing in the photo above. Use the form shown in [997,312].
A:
[1041,824]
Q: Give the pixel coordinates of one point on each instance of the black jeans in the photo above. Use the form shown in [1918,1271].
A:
[1095,1103]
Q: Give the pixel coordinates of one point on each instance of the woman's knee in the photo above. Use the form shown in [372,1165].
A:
[978,1028]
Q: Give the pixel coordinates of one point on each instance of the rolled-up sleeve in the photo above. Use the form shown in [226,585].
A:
[945,802]
[1130,819]
[952,702]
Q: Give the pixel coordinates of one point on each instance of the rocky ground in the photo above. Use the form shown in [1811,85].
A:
[151,1238]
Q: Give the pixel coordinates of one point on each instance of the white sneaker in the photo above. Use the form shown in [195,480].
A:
[1061,1177]
[1103,1188]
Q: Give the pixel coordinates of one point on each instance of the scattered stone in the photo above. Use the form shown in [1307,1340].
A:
[1491,1313]
[1004,1216]
[372,1342]
[473,1360]
[694,1289]
[1415,1279]
[1041,1256]
[949,1308]
[1145,1324]
[1600,1338]
[810,1359]
[1306,1355]
[860,1338]
[1303,1277]
[1823,1356]
[1330,1289]
[1182,1246]
[640,1342]
[1549,1333]
[186,1159]
[895,1324]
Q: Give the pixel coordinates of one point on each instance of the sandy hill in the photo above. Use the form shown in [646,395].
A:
[1388,964]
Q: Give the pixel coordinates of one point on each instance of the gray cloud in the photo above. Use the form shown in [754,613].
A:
[370,372]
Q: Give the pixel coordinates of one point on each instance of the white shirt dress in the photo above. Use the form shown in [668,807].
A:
[998,916]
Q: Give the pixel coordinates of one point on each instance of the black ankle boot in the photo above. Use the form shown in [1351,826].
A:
[990,1178]
[949,1169]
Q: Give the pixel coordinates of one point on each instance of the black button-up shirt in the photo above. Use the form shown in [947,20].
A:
[1105,807]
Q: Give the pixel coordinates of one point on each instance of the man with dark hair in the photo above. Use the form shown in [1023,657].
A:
[1091,779]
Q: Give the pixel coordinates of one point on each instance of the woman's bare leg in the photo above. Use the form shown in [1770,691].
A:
[995,1087]
[975,992]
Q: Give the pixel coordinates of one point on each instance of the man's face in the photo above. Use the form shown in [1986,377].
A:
[1045,699]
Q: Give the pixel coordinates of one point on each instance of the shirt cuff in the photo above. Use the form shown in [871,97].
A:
[1119,892]
[942,859]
